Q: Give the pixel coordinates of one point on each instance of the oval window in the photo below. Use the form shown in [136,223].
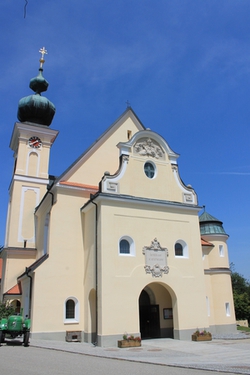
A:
[149,170]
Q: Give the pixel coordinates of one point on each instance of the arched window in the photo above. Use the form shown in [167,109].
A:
[181,249]
[149,169]
[126,246]
[71,310]
[178,249]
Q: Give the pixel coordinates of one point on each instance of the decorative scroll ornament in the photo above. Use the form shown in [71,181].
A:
[149,148]
[155,259]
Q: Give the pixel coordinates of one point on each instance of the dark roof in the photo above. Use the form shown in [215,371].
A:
[210,225]
[34,265]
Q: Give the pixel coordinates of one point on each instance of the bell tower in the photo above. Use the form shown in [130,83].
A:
[31,142]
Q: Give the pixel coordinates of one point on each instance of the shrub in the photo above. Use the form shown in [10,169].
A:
[6,309]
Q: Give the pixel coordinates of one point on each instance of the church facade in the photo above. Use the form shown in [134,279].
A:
[115,244]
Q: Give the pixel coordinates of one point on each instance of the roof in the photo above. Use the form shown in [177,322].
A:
[210,225]
[34,265]
[205,216]
[15,290]
[83,186]
[62,179]
[128,112]
[205,243]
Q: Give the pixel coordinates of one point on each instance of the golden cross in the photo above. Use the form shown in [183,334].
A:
[43,51]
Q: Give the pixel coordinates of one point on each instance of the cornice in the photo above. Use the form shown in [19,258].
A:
[216,271]
[104,197]
[19,251]
[33,180]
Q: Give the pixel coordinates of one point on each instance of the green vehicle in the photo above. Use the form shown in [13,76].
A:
[15,326]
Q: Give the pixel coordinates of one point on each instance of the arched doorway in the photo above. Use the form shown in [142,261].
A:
[155,309]
[17,306]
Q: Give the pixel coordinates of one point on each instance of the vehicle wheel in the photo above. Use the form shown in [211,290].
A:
[2,337]
[26,337]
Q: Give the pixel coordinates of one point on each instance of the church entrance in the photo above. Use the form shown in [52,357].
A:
[154,302]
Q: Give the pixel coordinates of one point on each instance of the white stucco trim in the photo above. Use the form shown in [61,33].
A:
[42,181]
[28,161]
[189,195]
[110,183]
[20,224]
[142,202]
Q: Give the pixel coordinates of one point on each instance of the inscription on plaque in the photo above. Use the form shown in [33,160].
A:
[155,259]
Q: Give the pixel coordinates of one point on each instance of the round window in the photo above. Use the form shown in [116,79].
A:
[149,170]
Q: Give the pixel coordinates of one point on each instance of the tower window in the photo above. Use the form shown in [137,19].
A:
[227,306]
[221,250]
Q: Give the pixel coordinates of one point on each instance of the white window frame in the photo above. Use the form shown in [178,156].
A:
[77,308]
[227,306]
[131,246]
[221,251]
[185,249]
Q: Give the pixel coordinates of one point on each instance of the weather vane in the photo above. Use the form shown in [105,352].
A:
[43,51]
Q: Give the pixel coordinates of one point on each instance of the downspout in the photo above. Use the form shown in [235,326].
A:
[31,284]
[52,198]
[96,267]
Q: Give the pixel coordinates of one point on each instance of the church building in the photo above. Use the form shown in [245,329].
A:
[114,245]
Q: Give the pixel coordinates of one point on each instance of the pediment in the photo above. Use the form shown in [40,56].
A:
[147,143]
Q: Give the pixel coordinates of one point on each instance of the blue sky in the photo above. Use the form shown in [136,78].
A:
[183,65]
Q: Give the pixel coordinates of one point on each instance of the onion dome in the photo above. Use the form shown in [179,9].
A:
[36,108]
[210,225]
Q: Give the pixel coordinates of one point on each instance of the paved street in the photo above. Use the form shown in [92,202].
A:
[162,356]
[37,361]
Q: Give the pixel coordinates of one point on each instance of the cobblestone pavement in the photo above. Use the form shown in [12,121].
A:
[225,354]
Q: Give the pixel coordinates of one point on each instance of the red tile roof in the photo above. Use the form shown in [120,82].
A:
[205,243]
[15,290]
[77,184]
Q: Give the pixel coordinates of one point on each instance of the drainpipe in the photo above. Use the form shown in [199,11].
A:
[31,283]
[52,198]
[96,266]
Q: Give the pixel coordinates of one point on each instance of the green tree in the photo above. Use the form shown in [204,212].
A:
[6,309]
[241,294]
[242,306]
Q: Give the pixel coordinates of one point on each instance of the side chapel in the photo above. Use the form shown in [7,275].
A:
[113,245]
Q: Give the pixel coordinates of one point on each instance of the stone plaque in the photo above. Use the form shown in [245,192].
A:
[155,259]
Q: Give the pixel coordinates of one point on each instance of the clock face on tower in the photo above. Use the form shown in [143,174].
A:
[35,142]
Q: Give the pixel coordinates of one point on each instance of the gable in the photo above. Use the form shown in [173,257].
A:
[103,154]
[148,150]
